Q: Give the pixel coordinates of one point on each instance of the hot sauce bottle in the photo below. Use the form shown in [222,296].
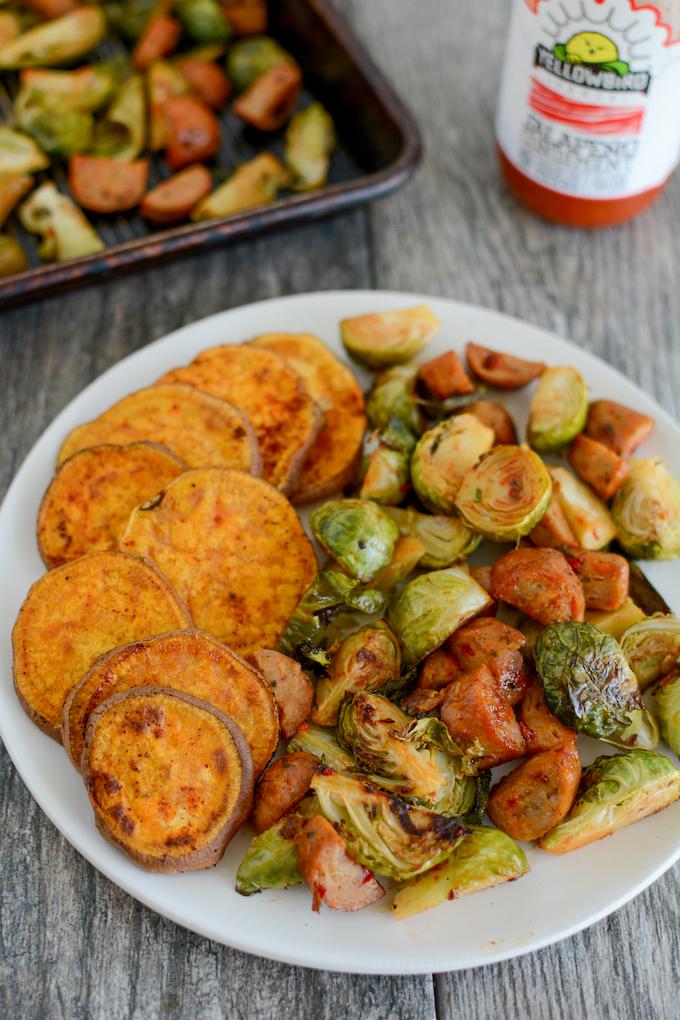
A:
[588,123]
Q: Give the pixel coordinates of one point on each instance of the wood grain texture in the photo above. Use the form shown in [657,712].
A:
[74,946]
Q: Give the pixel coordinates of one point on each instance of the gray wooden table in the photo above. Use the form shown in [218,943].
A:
[75,946]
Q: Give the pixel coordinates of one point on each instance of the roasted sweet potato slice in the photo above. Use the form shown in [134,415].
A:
[270,393]
[542,730]
[282,787]
[89,500]
[334,878]
[291,686]
[170,778]
[159,39]
[504,371]
[478,716]
[207,80]
[74,614]
[235,549]
[445,376]
[537,795]
[617,426]
[553,531]
[171,201]
[187,661]
[333,459]
[597,465]
[105,185]
[497,418]
[200,429]
[540,583]
[489,642]
[605,578]
[192,131]
[269,101]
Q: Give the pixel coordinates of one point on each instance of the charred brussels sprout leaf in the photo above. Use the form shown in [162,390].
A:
[385,469]
[431,607]
[587,515]
[646,512]
[250,58]
[446,539]
[382,832]
[559,408]
[444,455]
[589,685]
[394,396]
[615,791]
[652,647]
[310,140]
[505,495]
[365,661]
[388,338]
[485,858]
[323,743]
[666,699]
[357,533]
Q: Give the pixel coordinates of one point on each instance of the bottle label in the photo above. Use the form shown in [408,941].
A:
[590,95]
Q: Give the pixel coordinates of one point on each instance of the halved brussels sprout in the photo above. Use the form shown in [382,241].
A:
[505,495]
[394,396]
[19,154]
[666,697]
[418,761]
[310,140]
[446,539]
[617,621]
[615,791]
[646,511]
[250,58]
[59,128]
[65,231]
[408,552]
[652,647]
[485,858]
[444,455]
[271,861]
[253,183]
[365,661]
[590,687]
[129,17]
[559,408]
[587,515]
[386,465]
[55,42]
[323,743]
[383,833]
[431,607]
[388,338]
[88,88]
[357,533]
[203,20]
[12,256]
[121,133]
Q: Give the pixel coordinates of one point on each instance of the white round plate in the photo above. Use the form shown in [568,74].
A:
[560,896]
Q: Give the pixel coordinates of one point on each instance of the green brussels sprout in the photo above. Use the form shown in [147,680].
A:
[615,791]
[55,42]
[444,455]
[253,183]
[58,128]
[558,410]
[587,515]
[357,533]
[12,256]
[66,232]
[250,58]
[388,338]
[271,861]
[382,832]
[19,154]
[385,471]
[446,539]
[394,396]
[365,661]
[415,760]
[646,512]
[87,89]
[323,743]
[310,140]
[485,858]
[652,647]
[505,495]
[121,133]
[666,699]
[332,601]
[203,20]
[431,607]
[590,687]
[129,17]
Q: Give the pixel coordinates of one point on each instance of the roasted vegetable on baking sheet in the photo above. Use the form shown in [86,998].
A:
[310,140]
[19,154]
[121,132]
[253,183]
[12,255]
[249,59]
[55,42]
[65,232]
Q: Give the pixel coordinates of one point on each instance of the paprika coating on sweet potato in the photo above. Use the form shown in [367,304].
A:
[540,583]
[553,531]
[597,465]
[445,376]
[605,578]
[75,613]
[88,502]
[542,730]
[334,878]
[503,371]
[497,418]
[170,778]
[282,787]
[618,427]
[187,661]
[475,711]
[233,547]
[290,685]
[487,641]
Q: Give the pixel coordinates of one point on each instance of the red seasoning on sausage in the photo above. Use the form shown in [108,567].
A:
[542,730]
[618,427]
[445,376]
[537,795]
[541,583]
[474,710]
[605,578]
[597,465]
[291,686]
[282,787]
[504,371]
[334,878]
[489,642]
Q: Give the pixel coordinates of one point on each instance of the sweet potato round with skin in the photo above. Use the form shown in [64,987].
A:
[618,427]
[503,371]
[233,547]
[88,502]
[542,730]
[270,393]
[334,878]
[497,418]
[540,583]
[537,795]
[187,661]
[171,201]
[74,614]
[170,778]
[200,429]
[333,459]
[489,642]
[282,787]
[292,688]
[475,710]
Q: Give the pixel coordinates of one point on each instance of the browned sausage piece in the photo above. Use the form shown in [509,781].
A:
[598,466]
[489,642]
[291,686]
[541,583]
[537,795]
[605,578]
[553,531]
[445,376]
[334,878]
[504,371]
[497,418]
[282,787]
[268,102]
[172,200]
[482,575]
[475,710]
[421,702]
[542,730]
[618,427]
[438,670]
